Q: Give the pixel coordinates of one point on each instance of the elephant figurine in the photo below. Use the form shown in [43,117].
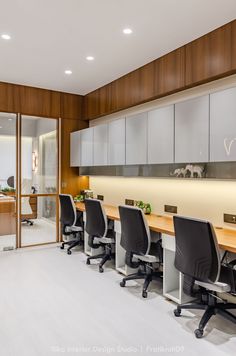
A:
[195,171]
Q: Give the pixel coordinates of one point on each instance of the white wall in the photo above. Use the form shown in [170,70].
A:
[207,199]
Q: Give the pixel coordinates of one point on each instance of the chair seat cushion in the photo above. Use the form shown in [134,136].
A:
[147,258]
[216,287]
[74,228]
[104,240]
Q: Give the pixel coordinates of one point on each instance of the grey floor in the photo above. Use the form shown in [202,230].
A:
[53,304]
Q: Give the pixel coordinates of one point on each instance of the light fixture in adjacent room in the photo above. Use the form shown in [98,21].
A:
[34,162]
[0,127]
[90,58]
[127,31]
[68,71]
[10,119]
[5,36]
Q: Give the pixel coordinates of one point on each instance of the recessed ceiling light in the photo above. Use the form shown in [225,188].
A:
[0,127]
[90,58]
[5,36]
[127,31]
[9,119]
[68,72]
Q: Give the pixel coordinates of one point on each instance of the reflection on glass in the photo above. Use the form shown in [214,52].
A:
[7,181]
[38,216]
[38,155]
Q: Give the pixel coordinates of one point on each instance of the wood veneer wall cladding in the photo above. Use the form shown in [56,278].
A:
[39,102]
[210,57]
[71,183]
[48,103]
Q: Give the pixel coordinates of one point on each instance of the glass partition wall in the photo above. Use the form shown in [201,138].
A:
[38,181]
[8,181]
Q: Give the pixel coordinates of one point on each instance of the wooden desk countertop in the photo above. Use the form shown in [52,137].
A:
[226,238]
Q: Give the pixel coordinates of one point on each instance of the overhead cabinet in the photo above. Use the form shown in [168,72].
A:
[100,143]
[86,146]
[198,130]
[223,125]
[75,149]
[116,142]
[161,135]
[136,139]
[192,130]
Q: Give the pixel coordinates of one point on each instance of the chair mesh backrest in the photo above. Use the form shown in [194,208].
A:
[96,220]
[135,234]
[68,211]
[197,251]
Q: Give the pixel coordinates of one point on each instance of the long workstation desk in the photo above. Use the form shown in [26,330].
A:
[172,279]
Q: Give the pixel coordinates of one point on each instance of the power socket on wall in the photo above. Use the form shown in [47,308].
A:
[170,209]
[129,202]
[100,197]
[230,218]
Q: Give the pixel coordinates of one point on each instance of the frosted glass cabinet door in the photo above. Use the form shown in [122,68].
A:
[116,142]
[192,130]
[223,125]
[161,135]
[136,139]
[100,145]
[86,137]
[75,149]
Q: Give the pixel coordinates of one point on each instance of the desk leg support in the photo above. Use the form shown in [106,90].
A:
[172,279]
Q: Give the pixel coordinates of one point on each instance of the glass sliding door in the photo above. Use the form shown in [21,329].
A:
[8,181]
[38,181]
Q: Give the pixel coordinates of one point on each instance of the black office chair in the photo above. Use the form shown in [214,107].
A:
[197,257]
[100,230]
[71,222]
[136,240]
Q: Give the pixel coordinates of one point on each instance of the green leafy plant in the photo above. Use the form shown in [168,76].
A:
[79,197]
[8,190]
[146,207]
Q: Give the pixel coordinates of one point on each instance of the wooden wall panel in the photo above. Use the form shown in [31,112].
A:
[71,106]
[147,81]
[92,104]
[170,73]
[205,59]
[71,183]
[49,103]
[233,45]
[39,102]
[9,98]
[209,56]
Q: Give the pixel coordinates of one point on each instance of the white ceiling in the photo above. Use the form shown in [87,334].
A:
[49,36]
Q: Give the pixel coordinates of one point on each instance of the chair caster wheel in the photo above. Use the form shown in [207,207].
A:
[62,247]
[144,294]
[122,283]
[87,262]
[101,270]
[177,312]
[198,333]
[68,252]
